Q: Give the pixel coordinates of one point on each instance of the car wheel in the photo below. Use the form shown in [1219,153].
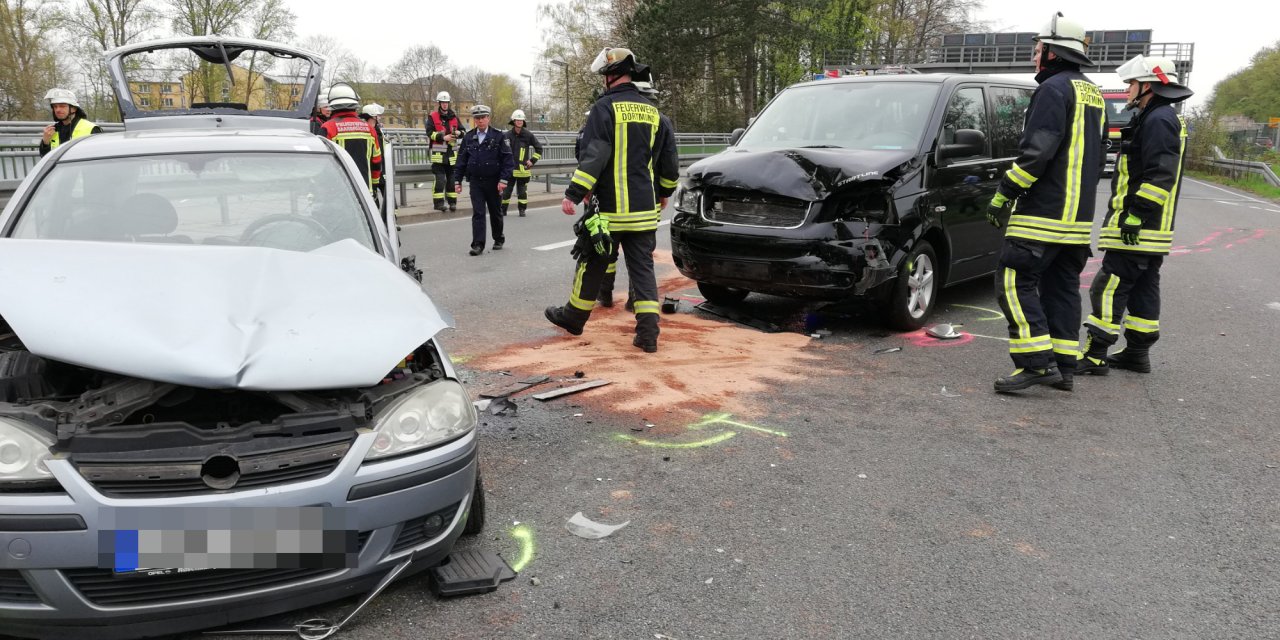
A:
[915,290]
[475,517]
[722,295]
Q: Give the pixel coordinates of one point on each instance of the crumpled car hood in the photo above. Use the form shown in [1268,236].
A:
[807,174]
[216,317]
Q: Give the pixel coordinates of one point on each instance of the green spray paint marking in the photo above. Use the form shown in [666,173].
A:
[723,418]
[716,439]
[459,359]
[994,315]
[524,535]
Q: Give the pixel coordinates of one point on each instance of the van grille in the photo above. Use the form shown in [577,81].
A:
[749,208]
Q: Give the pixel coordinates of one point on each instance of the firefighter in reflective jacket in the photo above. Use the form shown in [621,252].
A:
[605,299]
[356,136]
[69,121]
[630,164]
[1046,202]
[1138,231]
[527,151]
[445,131]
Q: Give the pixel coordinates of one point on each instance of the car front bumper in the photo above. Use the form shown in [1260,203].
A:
[50,586]
[794,263]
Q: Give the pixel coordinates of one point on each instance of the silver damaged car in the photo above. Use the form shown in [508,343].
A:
[221,395]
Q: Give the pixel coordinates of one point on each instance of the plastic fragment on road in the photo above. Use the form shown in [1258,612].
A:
[948,394]
[886,350]
[943,331]
[584,527]
[556,393]
[503,407]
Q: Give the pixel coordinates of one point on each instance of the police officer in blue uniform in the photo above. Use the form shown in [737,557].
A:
[486,161]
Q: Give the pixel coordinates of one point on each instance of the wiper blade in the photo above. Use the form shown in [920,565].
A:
[822,146]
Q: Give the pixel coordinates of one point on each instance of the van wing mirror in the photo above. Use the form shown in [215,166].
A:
[968,143]
[736,136]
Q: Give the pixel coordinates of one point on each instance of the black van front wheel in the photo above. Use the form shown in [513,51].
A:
[916,289]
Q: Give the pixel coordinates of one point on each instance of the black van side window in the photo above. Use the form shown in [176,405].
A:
[966,110]
[1010,106]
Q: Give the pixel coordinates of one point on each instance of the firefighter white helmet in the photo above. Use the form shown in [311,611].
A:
[373,109]
[613,61]
[443,96]
[518,114]
[322,103]
[1066,39]
[343,96]
[61,96]
[1160,72]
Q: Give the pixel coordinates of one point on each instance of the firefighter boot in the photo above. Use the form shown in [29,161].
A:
[1132,359]
[646,333]
[605,299]
[1067,369]
[1094,360]
[1022,378]
[523,208]
[563,317]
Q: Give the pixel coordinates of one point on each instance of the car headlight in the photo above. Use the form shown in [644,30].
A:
[687,199]
[23,452]
[436,413]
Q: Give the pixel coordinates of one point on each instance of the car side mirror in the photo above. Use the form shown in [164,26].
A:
[736,136]
[968,143]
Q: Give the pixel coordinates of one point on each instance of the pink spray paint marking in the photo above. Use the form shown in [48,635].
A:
[922,339]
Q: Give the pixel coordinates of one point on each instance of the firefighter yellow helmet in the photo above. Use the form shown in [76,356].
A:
[1066,39]
[61,96]
[343,96]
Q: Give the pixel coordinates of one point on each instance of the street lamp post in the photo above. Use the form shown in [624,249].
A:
[525,75]
[562,63]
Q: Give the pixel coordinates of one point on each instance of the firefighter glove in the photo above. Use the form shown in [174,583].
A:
[1130,227]
[999,209]
[596,229]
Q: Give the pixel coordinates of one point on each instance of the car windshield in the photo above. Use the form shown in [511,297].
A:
[294,201]
[851,115]
[1118,113]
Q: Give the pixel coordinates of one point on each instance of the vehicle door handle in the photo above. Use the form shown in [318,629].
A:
[991,173]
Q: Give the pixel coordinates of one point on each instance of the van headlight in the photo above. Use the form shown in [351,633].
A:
[24,450]
[686,199]
[438,412]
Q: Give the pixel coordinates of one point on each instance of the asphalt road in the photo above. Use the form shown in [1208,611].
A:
[865,495]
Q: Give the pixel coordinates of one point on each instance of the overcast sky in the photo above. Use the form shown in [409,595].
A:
[1226,33]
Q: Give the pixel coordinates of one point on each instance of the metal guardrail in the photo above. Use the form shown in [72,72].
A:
[1002,58]
[1259,168]
[409,150]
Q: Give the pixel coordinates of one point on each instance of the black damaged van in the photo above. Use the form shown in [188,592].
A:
[871,187]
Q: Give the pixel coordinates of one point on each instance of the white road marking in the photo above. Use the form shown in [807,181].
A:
[569,243]
[1211,186]
[978,335]
[1234,204]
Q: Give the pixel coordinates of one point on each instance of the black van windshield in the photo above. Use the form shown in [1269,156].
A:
[850,115]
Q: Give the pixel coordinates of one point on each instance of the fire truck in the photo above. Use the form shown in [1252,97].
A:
[1118,117]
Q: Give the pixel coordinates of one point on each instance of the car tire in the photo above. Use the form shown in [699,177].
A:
[475,516]
[717,294]
[915,290]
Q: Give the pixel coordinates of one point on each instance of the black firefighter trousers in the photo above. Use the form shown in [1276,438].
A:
[1038,287]
[637,248]
[443,188]
[1130,282]
[484,202]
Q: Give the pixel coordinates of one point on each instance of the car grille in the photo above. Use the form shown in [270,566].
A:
[14,588]
[733,206]
[414,532]
[104,587]
[133,480]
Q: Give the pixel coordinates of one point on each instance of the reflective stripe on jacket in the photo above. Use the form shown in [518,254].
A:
[628,159]
[1148,176]
[1055,177]
[437,128]
[360,141]
[524,146]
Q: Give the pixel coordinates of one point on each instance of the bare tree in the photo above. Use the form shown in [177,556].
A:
[209,17]
[271,20]
[28,63]
[99,25]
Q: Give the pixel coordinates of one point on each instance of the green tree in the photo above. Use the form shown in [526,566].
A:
[29,64]
[1253,91]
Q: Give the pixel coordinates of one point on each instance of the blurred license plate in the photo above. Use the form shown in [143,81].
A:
[741,270]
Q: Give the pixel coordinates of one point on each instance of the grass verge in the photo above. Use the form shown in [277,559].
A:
[1247,182]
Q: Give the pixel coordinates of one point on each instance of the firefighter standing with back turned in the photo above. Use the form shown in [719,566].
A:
[625,151]
[1138,231]
[445,130]
[356,136]
[1046,201]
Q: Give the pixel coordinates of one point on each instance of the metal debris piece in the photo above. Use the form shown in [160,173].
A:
[886,350]
[670,305]
[556,393]
[943,331]
[503,407]
[515,388]
[583,527]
